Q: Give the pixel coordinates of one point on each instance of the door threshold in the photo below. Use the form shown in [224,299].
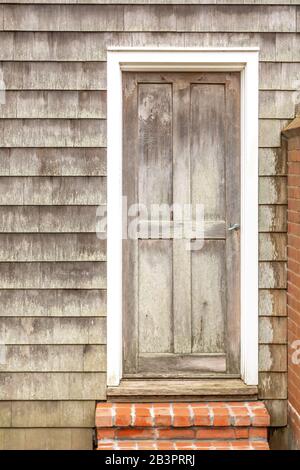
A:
[160,390]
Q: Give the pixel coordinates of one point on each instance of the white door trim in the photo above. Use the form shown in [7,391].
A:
[181,59]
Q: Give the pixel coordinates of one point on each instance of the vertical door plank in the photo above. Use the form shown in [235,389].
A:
[208,188]
[155,187]
[232,119]
[181,195]
[130,247]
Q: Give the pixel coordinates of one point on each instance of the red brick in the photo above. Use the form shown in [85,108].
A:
[242,433]
[103,446]
[221,416]
[221,445]
[123,414]
[202,445]
[258,433]
[126,445]
[240,416]
[135,433]
[184,426]
[238,445]
[294,155]
[104,415]
[165,445]
[215,433]
[106,433]
[172,433]
[143,415]
[183,445]
[260,445]
[201,414]
[261,417]
[182,415]
[162,415]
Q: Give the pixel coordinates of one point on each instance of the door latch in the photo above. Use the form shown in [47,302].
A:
[234,227]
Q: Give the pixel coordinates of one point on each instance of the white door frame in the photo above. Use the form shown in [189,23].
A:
[244,60]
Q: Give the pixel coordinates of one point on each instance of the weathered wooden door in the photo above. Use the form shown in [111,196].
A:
[181,312]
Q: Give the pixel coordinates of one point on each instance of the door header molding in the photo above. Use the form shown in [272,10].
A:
[244,60]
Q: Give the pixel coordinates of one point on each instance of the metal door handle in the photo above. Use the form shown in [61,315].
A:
[234,227]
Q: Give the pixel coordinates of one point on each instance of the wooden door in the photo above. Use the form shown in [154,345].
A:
[181,142]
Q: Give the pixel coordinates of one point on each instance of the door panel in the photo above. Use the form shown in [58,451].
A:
[155,311]
[181,313]
[155,144]
[209,297]
[208,148]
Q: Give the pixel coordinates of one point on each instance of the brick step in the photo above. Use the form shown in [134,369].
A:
[199,433]
[206,424]
[243,444]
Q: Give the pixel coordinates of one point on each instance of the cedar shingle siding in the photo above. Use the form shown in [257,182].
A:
[53,175]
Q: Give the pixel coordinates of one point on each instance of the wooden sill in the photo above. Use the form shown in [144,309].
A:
[182,390]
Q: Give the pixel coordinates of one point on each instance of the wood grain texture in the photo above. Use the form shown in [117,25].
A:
[155,297]
[57,414]
[52,303]
[54,358]
[272,385]
[279,75]
[52,386]
[272,358]
[278,412]
[278,104]
[78,46]
[272,302]
[48,219]
[202,389]
[155,2]
[273,330]
[272,275]
[52,191]
[272,190]
[51,247]
[170,365]
[287,48]
[54,105]
[272,218]
[182,284]
[272,161]
[130,246]
[53,133]
[52,330]
[208,294]
[53,162]
[272,247]
[70,18]
[207,18]
[69,275]
[208,172]
[47,438]
[54,75]
[270,132]
[150,18]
